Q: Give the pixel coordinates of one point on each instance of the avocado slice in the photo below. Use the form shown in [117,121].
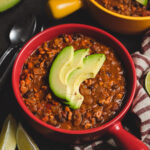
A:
[91,66]
[143,2]
[55,82]
[6,4]
[66,61]
[76,62]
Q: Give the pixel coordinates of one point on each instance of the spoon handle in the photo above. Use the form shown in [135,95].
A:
[6,62]
[9,51]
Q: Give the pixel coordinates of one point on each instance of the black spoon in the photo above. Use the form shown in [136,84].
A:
[19,34]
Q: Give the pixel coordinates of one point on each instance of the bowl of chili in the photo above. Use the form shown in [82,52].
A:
[126,17]
[50,117]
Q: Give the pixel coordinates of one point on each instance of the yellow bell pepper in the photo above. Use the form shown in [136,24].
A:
[62,8]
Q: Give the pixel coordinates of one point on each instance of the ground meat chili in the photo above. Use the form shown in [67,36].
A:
[103,95]
[126,7]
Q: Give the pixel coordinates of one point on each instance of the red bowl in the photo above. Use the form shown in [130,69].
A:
[82,136]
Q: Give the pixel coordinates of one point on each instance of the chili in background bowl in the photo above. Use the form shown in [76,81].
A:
[114,126]
[111,20]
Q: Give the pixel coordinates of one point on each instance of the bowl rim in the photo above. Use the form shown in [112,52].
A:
[92,130]
[119,15]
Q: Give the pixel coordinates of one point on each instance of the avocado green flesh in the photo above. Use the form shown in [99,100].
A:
[69,70]
[63,58]
[6,4]
[66,61]
[143,2]
[76,62]
[91,66]
[76,101]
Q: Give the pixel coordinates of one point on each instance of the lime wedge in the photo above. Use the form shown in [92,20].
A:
[8,134]
[143,2]
[24,141]
[6,4]
[147,82]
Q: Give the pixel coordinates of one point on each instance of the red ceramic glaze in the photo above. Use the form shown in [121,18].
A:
[114,127]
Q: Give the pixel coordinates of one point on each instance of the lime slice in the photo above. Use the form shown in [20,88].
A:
[8,134]
[6,4]
[24,141]
[143,2]
[147,82]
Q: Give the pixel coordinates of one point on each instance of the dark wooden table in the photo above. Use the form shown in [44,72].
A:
[39,8]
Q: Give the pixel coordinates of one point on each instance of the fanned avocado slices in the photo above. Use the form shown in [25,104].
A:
[66,61]
[69,70]
[76,62]
[90,68]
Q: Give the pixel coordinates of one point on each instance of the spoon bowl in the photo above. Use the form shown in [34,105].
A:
[23,30]
[19,34]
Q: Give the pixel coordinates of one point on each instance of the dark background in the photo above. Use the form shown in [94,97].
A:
[39,8]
